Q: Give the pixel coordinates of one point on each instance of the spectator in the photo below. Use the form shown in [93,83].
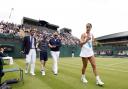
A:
[21,31]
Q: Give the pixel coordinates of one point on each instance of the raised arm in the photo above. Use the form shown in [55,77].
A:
[84,39]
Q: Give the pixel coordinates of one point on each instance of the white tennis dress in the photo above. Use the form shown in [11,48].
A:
[87,49]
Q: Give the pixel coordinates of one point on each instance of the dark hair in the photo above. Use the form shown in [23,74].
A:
[89,24]
[32,29]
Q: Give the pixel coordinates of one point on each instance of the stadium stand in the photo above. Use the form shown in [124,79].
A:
[67,37]
[11,36]
[113,45]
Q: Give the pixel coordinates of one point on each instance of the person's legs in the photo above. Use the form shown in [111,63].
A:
[28,57]
[27,67]
[57,56]
[55,67]
[85,62]
[72,55]
[43,60]
[93,64]
[44,64]
[33,60]
[43,67]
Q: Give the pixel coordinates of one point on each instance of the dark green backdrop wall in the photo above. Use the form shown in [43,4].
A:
[13,41]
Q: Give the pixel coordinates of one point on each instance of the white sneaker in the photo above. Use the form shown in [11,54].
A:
[99,82]
[84,80]
[55,73]
[25,71]
[33,74]
[43,73]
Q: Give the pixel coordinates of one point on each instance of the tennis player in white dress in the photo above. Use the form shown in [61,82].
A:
[87,54]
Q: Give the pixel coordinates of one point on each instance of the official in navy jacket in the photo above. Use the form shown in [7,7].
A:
[55,44]
[27,44]
[29,49]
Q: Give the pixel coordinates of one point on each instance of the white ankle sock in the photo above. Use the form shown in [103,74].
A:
[83,76]
[97,77]
[43,69]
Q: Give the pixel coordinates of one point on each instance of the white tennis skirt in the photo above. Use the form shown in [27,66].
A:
[86,52]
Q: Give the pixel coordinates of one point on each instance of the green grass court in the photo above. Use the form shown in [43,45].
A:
[113,72]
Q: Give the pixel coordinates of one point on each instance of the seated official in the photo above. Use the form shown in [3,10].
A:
[4,56]
[1,69]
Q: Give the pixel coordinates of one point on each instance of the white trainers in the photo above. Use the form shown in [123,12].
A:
[84,80]
[43,73]
[25,71]
[55,73]
[33,74]
[99,82]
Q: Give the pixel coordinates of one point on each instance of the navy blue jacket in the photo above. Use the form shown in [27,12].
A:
[1,67]
[2,54]
[27,44]
[55,42]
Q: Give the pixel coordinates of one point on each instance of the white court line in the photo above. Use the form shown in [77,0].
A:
[124,68]
[101,67]
[109,65]
[115,70]
[90,67]
[117,63]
